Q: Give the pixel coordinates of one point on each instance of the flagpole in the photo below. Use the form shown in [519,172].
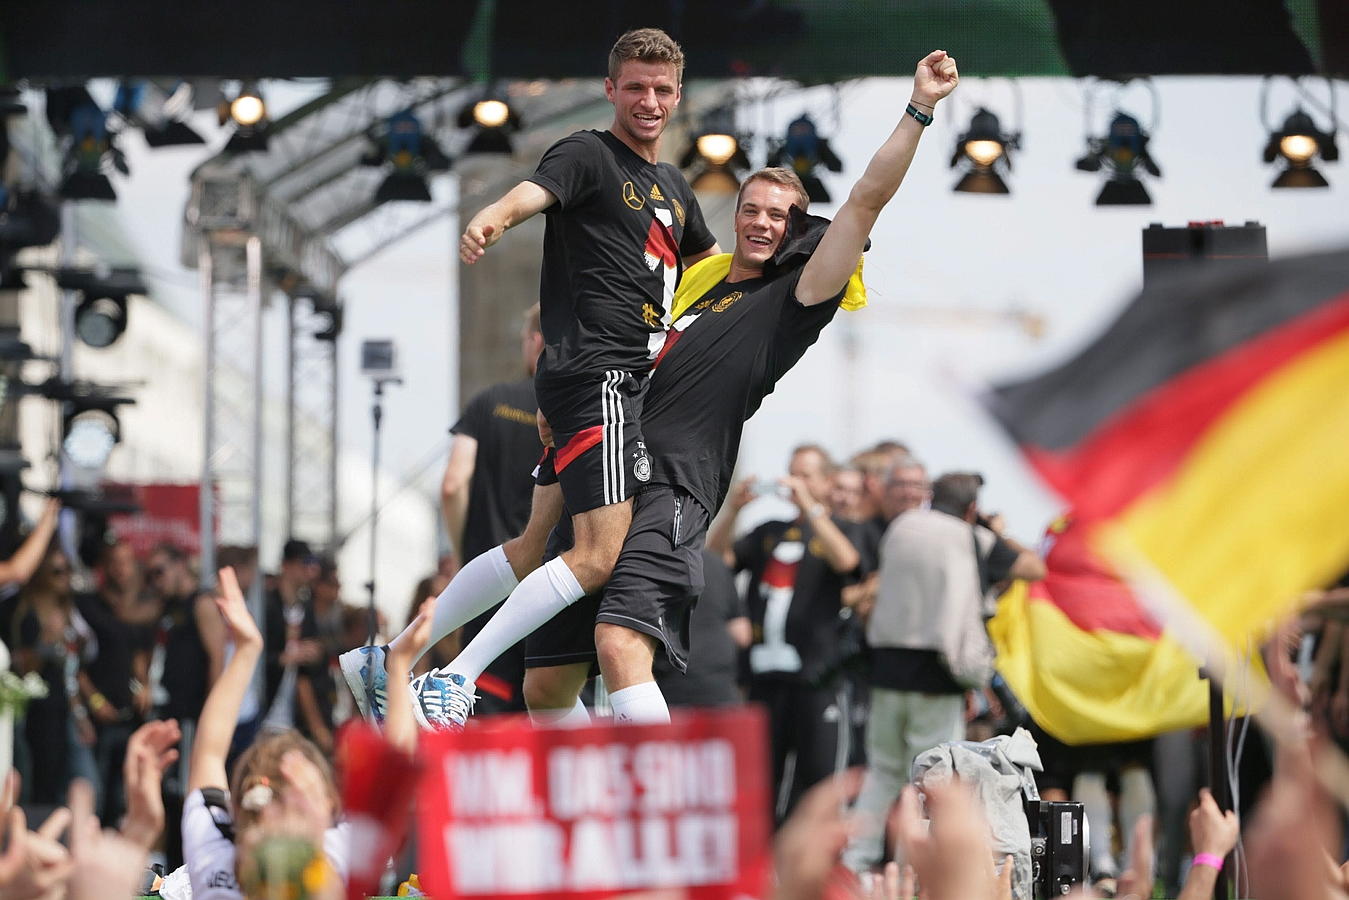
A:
[1219,777]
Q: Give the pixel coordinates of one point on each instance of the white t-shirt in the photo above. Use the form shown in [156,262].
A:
[208,851]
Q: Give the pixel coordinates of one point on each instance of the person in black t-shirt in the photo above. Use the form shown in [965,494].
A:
[786,278]
[621,226]
[798,570]
[485,498]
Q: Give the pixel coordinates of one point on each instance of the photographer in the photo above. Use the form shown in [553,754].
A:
[927,639]
[798,570]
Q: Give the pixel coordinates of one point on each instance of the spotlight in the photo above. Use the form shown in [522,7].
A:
[101,315]
[1298,143]
[90,144]
[248,111]
[491,113]
[248,108]
[982,149]
[716,156]
[1121,152]
[494,120]
[144,105]
[803,151]
[89,436]
[411,153]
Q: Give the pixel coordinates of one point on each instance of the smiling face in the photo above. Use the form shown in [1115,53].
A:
[644,95]
[761,221]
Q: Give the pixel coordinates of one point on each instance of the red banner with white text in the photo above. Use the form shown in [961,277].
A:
[507,811]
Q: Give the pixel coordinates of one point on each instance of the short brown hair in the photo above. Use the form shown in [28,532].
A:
[648,45]
[780,176]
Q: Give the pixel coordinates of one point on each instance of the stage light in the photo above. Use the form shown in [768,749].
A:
[1297,144]
[803,151]
[982,149]
[411,153]
[90,435]
[144,105]
[101,314]
[90,144]
[491,113]
[1122,152]
[248,108]
[715,156]
[248,112]
[494,120]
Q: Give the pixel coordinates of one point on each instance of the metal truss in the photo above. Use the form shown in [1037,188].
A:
[311,424]
[231,475]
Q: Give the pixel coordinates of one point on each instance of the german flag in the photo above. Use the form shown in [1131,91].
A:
[1207,429]
[1084,657]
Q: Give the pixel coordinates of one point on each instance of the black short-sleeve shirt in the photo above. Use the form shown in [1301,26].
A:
[794,600]
[502,420]
[722,357]
[612,253]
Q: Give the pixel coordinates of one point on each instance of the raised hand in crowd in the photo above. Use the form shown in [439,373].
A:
[104,863]
[215,725]
[399,727]
[1295,830]
[1137,878]
[35,864]
[1213,833]
[809,844]
[953,859]
[149,752]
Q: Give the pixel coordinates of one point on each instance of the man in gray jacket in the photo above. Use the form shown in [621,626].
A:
[927,638]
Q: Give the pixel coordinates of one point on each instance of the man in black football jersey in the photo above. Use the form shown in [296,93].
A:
[786,278]
[621,227]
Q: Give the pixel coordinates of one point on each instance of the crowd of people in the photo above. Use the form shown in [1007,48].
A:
[857,621]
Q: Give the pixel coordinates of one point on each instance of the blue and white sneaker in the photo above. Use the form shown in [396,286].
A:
[442,702]
[363,669]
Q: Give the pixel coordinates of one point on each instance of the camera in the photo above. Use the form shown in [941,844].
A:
[1057,847]
[764,487]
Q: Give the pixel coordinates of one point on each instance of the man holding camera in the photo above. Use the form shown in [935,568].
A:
[798,570]
[927,639]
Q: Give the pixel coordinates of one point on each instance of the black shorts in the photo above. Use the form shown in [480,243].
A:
[656,581]
[597,430]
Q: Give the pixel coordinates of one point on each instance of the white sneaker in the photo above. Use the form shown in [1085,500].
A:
[442,702]
[363,669]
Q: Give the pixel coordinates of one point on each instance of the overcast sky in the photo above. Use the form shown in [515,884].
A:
[952,276]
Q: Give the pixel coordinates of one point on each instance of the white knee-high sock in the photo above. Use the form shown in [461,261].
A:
[481,584]
[576,717]
[640,704]
[544,593]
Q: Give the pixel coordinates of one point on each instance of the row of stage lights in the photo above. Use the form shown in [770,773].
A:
[716,159]
[399,144]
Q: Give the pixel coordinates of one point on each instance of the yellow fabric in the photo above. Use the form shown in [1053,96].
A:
[703,275]
[1255,515]
[1090,687]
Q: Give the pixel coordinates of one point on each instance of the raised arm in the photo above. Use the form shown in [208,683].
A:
[21,566]
[835,259]
[524,200]
[215,725]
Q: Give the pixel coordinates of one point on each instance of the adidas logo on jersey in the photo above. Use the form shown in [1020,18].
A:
[655,192]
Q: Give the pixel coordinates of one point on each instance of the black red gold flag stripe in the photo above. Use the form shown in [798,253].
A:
[1208,427]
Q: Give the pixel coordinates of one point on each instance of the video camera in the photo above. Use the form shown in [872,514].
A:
[1057,847]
